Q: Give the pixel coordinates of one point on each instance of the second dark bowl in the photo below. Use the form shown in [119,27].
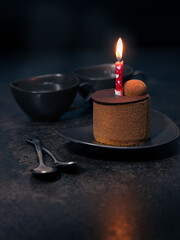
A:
[103,76]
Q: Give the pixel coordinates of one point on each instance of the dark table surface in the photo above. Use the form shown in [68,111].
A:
[111,194]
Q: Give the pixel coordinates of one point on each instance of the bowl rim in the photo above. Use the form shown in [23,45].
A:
[41,76]
[97,66]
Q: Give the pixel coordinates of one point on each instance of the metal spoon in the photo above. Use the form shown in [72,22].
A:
[56,161]
[42,168]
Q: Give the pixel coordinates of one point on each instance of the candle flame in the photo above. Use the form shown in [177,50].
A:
[119,49]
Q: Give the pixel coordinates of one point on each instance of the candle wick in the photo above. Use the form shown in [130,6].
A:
[119,59]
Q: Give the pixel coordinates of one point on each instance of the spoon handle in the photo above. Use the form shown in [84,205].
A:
[50,153]
[44,149]
[37,144]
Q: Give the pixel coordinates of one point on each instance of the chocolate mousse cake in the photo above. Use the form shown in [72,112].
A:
[122,120]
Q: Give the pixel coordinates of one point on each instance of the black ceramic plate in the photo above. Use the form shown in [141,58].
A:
[163,131]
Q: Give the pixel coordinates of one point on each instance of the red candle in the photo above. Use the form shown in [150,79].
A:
[119,68]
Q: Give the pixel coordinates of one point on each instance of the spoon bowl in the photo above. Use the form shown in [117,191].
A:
[64,164]
[43,170]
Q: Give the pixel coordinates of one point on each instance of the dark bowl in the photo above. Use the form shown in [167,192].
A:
[45,97]
[103,76]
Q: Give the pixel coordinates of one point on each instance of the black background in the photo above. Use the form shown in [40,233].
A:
[44,26]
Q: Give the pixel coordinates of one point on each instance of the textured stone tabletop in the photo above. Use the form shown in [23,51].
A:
[111,194]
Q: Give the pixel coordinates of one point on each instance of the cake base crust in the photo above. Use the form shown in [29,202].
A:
[120,143]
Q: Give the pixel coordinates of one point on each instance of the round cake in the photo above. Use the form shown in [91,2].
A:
[121,120]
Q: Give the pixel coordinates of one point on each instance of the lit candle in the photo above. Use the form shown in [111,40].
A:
[119,68]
